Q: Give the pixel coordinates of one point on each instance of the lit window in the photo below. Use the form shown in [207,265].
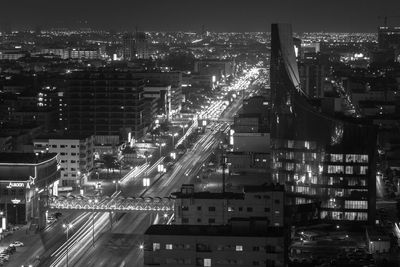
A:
[156,246]
[239,248]
[349,169]
[363,169]
[207,262]
[168,246]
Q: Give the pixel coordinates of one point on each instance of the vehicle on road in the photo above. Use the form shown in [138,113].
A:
[17,244]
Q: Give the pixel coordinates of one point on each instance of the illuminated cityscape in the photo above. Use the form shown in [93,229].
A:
[199,134]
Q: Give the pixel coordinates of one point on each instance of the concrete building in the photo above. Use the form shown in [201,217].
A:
[162,95]
[26,180]
[242,242]
[105,104]
[75,156]
[206,208]
[172,78]
[319,157]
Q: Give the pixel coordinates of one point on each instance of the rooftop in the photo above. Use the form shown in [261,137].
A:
[25,158]
[208,195]
[212,230]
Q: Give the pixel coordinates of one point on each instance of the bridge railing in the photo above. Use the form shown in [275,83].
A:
[119,203]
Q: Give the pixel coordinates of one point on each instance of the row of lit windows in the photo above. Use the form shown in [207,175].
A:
[362,170]
[213,209]
[354,204]
[349,158]
[267,248]
[338,215]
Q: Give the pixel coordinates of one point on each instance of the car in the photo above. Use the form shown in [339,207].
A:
[17,244]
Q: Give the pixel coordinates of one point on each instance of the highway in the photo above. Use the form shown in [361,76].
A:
[119,245]
[122,245]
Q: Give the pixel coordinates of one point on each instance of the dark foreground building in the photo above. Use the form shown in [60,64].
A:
[26,181]
[320,158]
[105,104]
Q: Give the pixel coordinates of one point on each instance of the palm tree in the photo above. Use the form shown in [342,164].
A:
[109,162]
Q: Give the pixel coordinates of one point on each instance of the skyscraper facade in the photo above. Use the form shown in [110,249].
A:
[320,158]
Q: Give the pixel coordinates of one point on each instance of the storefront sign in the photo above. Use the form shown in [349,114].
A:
[13,185]
[16,201]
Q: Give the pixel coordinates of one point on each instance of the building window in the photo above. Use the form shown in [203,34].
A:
[256,263]
[185,208]
[249,209]
[349,169]
[185,220]
[54,146]
[207,262]
[239,248]
[199,220]
[267,209]
[335,169]
[211,208]
[336,157]
[156,246]
[256,248]
[211,220]
[363,169]
[199,208]
[168,246]
[277,201]
[73,146]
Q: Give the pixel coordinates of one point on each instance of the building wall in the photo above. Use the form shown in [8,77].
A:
[218,211]
[75,155]
[251,142]
[105,104]
[180,250]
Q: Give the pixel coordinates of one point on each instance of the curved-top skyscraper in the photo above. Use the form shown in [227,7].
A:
[320,158]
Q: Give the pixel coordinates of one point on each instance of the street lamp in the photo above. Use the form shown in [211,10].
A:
[183,128]
[116,182]
[67,226]
[161,145]
[173,138]
[95,202]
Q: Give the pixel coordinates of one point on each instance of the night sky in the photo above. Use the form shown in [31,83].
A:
[216,15]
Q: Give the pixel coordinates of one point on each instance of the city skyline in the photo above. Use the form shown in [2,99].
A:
[307,16]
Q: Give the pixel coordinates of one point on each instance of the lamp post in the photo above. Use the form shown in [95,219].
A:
[173,139]
[95,202]
[67,226]
[161,145]
[116,182]
[183,126]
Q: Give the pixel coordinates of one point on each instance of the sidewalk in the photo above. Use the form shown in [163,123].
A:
[25,236]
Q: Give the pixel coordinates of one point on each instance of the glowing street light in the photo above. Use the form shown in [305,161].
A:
[67,226]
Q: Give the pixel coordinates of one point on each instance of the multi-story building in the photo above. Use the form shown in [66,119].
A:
[243,242]
[75,155]
[220,69]
[105,104]
[135,46]
[128,47]
[162,94]
[26,180]
[172,78]
[320,158]
[218,208]
[389,40]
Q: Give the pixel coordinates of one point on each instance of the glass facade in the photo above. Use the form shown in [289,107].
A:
[320,158]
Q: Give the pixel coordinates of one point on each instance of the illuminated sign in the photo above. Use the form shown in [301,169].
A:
[13,185]
[15,201]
